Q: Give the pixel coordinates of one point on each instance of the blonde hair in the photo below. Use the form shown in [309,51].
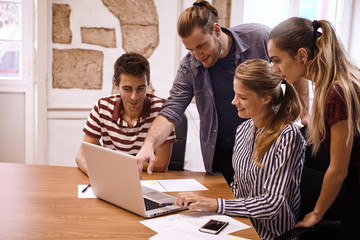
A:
[258,76]
[329,64]
[202,14]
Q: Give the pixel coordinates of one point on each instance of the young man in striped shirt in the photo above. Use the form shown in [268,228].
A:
[121,122]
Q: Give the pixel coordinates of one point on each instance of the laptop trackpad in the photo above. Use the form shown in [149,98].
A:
[157,196]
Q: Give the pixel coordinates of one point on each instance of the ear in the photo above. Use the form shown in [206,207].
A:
[116,86]
[266,100]
[216,29]
[302,56]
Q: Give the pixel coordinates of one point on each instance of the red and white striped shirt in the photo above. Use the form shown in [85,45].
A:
[105,122]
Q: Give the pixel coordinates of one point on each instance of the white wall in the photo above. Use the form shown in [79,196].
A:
[12,127]
[93,13]
[68,109]
[354,46]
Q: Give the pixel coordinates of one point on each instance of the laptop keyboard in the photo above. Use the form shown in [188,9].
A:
[150,205]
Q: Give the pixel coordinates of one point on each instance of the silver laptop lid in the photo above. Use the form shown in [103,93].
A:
[114,177]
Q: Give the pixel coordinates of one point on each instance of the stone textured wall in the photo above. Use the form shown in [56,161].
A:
[99,36]
[61,32]
[224,10]
[138,21]
[139,24]
[83,68]
[77,68]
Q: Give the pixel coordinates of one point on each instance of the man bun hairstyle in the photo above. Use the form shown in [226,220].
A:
[202,14]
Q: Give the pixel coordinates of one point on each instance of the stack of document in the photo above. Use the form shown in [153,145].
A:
[186,226]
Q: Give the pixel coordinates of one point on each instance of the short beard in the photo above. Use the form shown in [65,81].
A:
[216,52]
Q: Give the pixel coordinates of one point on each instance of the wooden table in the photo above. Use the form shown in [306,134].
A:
[41,202]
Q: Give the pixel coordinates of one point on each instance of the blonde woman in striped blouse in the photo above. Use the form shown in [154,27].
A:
[268,154]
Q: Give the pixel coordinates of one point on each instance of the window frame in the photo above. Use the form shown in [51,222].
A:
[25,83]
[237,17]
[20,84]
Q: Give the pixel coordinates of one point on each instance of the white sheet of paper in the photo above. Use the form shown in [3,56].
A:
[166,236]
[186,226]
[174,185]
[87,194]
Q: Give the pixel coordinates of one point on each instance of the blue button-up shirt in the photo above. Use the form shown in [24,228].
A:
[193,79]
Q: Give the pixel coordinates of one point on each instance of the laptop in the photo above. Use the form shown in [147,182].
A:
[114,177]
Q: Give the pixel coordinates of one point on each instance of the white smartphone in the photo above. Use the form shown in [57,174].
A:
[213,226]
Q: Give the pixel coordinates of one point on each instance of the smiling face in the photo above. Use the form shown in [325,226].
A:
[204,47]
[133,92]
[249,104]
[289,68]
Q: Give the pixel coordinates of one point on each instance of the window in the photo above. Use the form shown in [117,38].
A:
[17,79]
[330,10]
[273,12]
[269,13]
[10,39]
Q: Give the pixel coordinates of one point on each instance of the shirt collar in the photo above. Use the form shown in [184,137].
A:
[240,45]
[118,110]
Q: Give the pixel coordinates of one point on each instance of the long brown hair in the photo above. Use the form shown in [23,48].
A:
[329,64]
[258,76]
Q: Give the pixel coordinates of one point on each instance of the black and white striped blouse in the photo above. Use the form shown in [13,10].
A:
[269,196]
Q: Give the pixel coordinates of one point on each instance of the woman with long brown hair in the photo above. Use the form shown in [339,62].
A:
[300,48]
